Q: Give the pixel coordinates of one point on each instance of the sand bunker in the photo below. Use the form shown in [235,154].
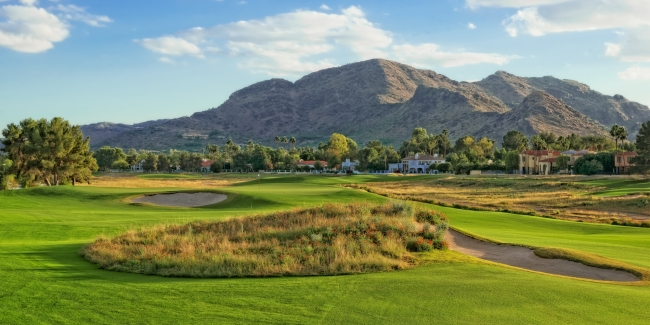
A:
[525,258]
[182,199]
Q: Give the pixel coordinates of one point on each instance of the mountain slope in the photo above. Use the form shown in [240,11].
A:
[381,99]
[541,112]
[607,110]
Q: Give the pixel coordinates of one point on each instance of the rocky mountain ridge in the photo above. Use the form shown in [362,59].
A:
[385,100]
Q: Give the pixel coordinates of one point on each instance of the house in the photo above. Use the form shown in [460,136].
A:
[622,162]
[310,163]
[138,167]
[538,161]
[348,165]
[418,164]
[394,168]
[205,165]
[575,155]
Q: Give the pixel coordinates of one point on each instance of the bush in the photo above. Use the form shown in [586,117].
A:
[216,166]
[591,167]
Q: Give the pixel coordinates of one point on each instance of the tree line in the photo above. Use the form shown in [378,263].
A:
[55,152]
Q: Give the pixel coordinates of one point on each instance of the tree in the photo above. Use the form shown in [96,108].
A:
[563,162]
[285,140]
[591,167]
[512,160]
[120,165]
[216,166]
[150,163]
[277,141]
[106,156]
[642,160]
[537,143]
[318,165]
[164,163]
[5,176]
[51,152]
[293,142]
[464,143]
[619,133]
[515,140]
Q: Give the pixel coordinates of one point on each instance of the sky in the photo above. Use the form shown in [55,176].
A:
[131,61]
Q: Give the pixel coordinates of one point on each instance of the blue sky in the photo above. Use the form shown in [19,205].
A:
[132,61]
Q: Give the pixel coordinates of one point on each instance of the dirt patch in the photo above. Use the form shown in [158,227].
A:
[525,258]
[191,200]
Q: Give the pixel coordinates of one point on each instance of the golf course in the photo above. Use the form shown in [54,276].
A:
[45,279]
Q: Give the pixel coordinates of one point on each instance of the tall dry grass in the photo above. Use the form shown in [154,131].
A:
[554,199]
[327,240]
[131,181]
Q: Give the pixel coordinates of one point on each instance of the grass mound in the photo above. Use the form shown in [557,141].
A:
[327,240]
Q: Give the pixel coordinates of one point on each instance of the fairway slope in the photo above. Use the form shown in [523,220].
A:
[525,258]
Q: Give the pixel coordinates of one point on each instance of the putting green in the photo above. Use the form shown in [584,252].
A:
[44,280]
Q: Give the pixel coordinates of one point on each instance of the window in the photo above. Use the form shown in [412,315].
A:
[629,160]
[619,159]
[523,159]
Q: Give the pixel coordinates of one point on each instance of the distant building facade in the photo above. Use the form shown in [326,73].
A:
[622,162]
[539,162]
[418,164]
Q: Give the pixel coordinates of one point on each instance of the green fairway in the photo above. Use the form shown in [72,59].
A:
[619,187]
[44,279]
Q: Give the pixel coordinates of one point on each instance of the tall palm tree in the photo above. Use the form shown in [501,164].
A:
[618,133]
[277,141]
[285,140]
[293,142]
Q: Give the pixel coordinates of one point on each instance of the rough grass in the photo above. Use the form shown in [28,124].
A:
[551,198]
[327,240]
[134,180]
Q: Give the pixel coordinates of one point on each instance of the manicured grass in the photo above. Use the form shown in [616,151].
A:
[45,280]
[172,176]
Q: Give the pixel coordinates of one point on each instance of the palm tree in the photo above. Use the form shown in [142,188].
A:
[293,142]
[618,133]
[285,140]
[277,140]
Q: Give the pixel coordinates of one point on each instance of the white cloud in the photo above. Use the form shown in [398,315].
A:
[474,4]
[72,12]
[169,45]
[30,29]
[471,26]
[635,46]
[302,41]
[166,60]
[635,73]
[429,56]
[29,2]
[578,16]
[325,7]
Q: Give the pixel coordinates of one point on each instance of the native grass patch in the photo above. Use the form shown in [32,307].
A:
[551,198]
[134,180]
[327,240]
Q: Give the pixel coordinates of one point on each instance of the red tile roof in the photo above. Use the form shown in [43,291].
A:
[551,160]
[311,162]
[207,163]
[628,154]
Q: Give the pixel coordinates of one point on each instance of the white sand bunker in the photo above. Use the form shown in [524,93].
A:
[525,258]
[191,200]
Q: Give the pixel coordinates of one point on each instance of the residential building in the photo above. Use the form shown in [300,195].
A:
[310,163]
[622,162]
[348,165]
[205,165]
[575,155]
[419,164]
[538,161]
[138,167]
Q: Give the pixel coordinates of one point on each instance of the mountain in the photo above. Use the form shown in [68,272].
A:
[541,112]
[608,110]
[99,132]
[385,100]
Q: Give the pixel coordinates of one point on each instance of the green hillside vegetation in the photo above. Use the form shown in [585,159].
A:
[46,280]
